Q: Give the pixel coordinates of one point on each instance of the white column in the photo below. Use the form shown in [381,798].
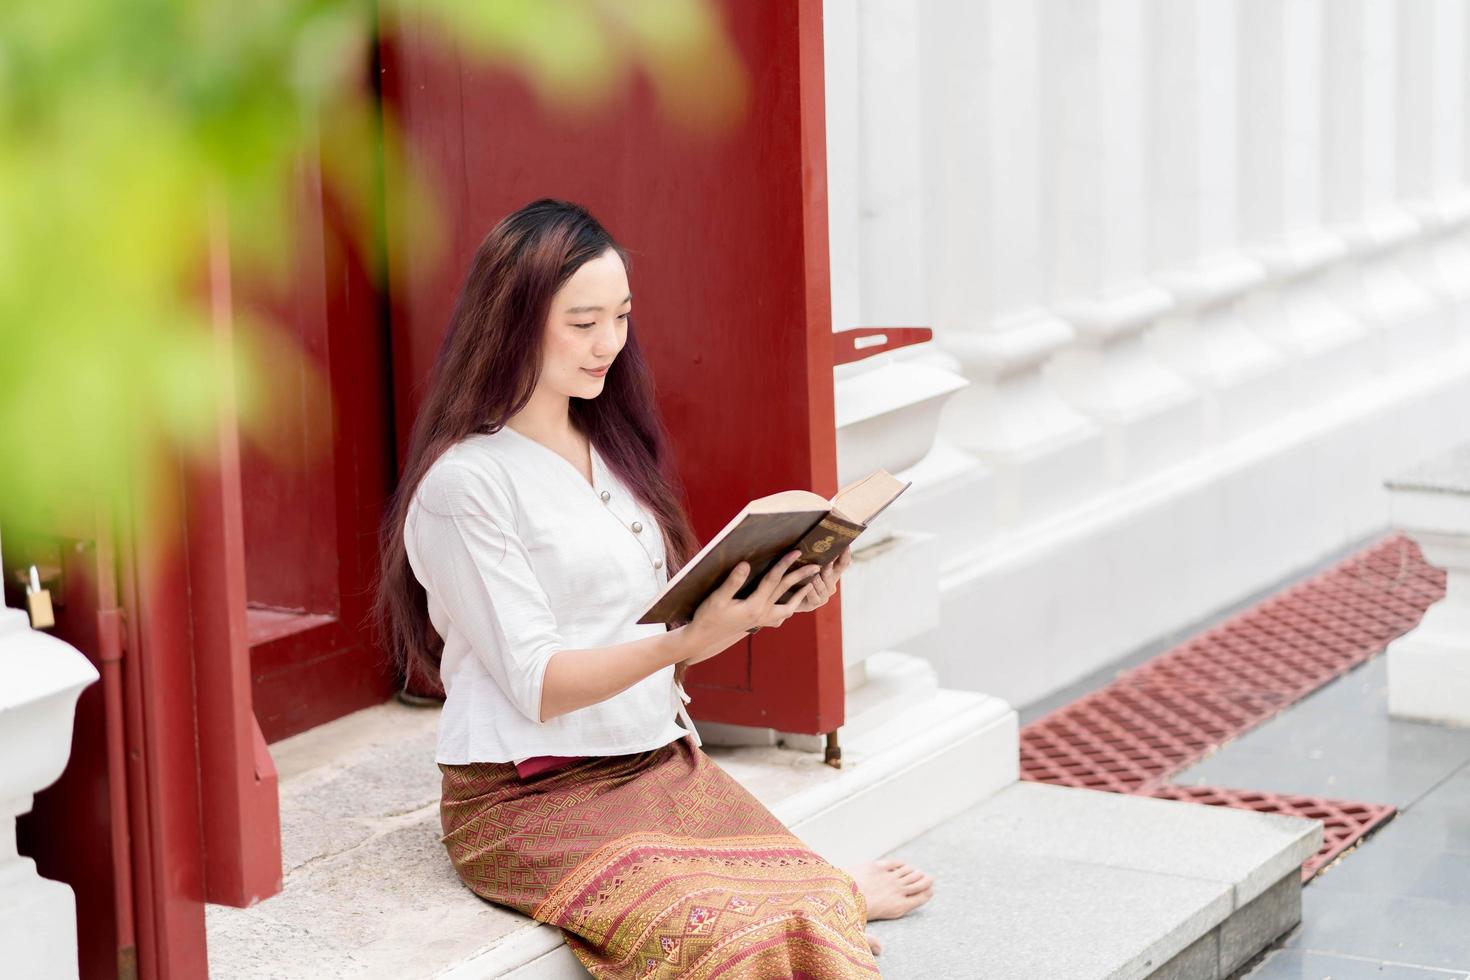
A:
[1281,200]
[1451,189]
[1093,215]
[1452,165]
[980,87]
[1359,182]
[1430,114]
[891,242]
[1192,242]
[841,68]
[43,678]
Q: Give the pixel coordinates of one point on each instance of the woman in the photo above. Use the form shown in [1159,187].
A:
[536,518]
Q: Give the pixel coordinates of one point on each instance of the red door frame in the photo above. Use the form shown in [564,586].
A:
[71,831]
[730,271]
[192,815]
[318,524]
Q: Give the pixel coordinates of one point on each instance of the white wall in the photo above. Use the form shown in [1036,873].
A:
[1205,265]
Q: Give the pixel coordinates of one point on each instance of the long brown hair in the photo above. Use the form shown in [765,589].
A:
[486,371]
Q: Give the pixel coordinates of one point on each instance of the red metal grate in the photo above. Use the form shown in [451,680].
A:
[1343,823]
[1169,713]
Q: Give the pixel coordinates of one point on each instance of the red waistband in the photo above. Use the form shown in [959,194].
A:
[543,763]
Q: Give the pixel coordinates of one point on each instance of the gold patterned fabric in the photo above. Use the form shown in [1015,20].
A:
[656,864]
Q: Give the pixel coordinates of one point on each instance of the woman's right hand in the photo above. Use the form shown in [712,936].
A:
[724,617]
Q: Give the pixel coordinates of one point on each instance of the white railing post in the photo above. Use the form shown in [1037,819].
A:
[42,679]
[1429,666]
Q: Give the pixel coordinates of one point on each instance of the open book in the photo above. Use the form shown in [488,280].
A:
[767,528]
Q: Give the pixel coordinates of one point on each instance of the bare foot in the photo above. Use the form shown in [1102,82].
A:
[891,888]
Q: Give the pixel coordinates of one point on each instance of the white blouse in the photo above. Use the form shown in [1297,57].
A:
[522,557]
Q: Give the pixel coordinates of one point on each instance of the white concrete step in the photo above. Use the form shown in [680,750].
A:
[878,687]
[950,750]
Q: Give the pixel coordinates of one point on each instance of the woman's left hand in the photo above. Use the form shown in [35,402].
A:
[823,585]
[818,589]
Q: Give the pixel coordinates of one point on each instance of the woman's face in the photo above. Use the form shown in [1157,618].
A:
[587,326]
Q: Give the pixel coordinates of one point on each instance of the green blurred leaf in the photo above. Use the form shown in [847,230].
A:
[128,126]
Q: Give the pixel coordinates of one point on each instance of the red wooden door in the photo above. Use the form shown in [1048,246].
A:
[312,497]
[729,235]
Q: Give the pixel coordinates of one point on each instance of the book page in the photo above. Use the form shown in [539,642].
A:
[865,499]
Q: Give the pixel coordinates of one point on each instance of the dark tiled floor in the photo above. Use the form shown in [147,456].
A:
[1340,742]
[1399,904]
[1296,964]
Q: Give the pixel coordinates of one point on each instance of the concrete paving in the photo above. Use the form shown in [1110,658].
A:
[1399,903]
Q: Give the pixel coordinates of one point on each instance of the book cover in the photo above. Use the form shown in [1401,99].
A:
[767,528]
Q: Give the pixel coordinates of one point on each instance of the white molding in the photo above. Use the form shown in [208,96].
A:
[43,679]
[1032,609]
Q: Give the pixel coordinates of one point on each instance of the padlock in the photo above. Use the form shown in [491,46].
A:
[38,602]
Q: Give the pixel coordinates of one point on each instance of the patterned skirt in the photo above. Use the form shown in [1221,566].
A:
[657,864]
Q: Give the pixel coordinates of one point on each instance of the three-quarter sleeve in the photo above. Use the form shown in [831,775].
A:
[467,552]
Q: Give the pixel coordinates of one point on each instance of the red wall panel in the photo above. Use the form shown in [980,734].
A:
[728,234]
